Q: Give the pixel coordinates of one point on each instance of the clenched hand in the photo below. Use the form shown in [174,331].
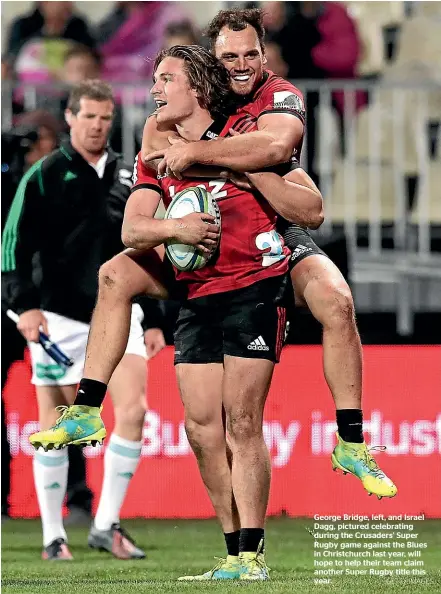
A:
[29,324]
[197,229]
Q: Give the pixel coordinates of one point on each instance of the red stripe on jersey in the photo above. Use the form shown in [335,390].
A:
[281,326]
[248,127]
[239,124]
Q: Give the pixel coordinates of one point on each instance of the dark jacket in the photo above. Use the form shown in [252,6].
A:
[67,218]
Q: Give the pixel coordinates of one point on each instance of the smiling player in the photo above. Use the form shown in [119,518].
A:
[271,122]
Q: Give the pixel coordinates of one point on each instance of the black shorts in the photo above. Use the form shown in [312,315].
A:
[247,322]
[299,242]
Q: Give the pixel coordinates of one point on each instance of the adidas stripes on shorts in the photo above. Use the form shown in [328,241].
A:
[71,336]
[299,241]
[248,323]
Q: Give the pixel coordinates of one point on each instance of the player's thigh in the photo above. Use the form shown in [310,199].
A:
[142,272]
[56,384]
[316,280]
[199,361]
[49,398]
[71,336]
[304,252]
[200,386]
[245,389]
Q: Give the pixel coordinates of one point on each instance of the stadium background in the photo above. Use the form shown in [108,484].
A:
[383,208]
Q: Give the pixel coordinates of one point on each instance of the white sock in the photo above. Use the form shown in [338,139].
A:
[120,461]
[50,477]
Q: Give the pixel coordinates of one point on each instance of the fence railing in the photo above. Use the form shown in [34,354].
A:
[375,149]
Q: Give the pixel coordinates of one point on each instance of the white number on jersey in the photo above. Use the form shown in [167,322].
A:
[214,187]
[270,239]
[135,170]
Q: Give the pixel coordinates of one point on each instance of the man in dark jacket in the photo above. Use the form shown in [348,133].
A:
[68,210]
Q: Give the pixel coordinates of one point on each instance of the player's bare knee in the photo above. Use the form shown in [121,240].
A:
[338,309]
[113,280]
[203,431]
[195,440]
[131,415]
[243,426]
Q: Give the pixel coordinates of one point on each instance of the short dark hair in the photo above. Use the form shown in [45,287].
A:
[182,28]
[237,19]
[97,90]
[78,49]
[207,75]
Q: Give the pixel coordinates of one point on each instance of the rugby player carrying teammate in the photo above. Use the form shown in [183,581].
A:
[271,135]
[232,301]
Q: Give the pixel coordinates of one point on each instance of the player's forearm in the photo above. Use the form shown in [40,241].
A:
[293,201]
[143,233]
[246,152]
[204,171]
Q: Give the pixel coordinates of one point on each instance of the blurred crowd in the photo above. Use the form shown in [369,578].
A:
[55,47]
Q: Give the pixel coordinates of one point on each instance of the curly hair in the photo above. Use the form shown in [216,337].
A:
[237,19]
[206,75]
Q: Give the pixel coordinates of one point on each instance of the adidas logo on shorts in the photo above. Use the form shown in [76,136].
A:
[258,345]
[300,249]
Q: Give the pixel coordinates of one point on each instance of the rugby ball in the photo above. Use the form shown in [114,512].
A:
[193,199]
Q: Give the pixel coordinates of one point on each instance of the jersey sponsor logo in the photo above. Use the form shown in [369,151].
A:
[211,134]
[288,100]
[299,251]
[258,345]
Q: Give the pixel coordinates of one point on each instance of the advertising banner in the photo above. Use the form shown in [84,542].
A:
[402,411]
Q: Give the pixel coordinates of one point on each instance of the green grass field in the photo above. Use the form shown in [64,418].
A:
[175,548]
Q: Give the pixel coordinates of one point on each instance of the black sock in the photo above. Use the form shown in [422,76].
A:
[250,538]
[91,393]
[350,424]
[232,542]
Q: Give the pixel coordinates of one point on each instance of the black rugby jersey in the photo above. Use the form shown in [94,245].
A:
[64,223]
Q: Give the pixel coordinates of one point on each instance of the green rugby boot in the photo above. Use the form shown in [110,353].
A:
[77,425]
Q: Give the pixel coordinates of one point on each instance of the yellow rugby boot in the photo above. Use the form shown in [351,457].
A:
[225,569]
[356,459]
[77,425]
[253,566]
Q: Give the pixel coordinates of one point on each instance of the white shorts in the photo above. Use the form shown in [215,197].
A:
[71,336]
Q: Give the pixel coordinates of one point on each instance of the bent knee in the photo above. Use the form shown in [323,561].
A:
[131,416]
[337,303]
[113,273]
[114,278]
